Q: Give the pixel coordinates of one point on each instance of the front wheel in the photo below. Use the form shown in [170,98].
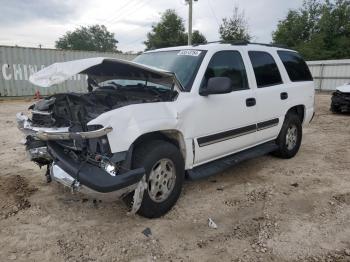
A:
[164,166]
[289,138]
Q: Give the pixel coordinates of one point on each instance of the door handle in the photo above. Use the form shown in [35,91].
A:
[250,102]
[284,96]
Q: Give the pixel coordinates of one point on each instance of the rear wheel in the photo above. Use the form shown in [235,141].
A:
[164,168]
[289,139]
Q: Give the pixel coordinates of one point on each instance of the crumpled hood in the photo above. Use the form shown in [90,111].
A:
[344,88]
[102,69]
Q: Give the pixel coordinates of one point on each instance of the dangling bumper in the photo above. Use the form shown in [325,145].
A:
[83,175]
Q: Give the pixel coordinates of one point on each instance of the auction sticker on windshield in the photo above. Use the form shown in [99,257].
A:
[189,52]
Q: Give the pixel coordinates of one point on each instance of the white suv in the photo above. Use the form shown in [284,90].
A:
[172,113]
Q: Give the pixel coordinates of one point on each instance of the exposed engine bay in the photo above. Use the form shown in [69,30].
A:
[75,110]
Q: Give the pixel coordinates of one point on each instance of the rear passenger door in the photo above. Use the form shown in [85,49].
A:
[299,82]
[271,95]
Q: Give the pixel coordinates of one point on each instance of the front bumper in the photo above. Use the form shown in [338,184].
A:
[90,176]
[46,134]
[59,175]
[36,137]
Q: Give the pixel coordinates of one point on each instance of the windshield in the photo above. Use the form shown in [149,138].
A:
[184,63]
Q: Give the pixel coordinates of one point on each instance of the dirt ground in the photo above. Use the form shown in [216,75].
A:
[266,209]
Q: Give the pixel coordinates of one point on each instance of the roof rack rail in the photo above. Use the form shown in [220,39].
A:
[270,45]
[243,42]
[234,42]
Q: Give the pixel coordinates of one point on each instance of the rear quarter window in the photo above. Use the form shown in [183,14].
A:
[295,66]
[265,69]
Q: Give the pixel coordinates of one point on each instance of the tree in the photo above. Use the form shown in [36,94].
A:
[235,28]
[91,38]
[198,38]
[170,31]
[318,30]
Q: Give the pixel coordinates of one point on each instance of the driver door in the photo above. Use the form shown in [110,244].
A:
[225,123]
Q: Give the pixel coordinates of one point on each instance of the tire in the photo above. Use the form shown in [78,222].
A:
[289,138]
[335,109]
[157,157]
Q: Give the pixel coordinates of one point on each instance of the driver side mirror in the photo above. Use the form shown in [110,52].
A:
[216,86]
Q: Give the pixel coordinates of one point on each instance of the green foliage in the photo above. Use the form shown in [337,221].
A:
[91,38]
[318,30]
[170,31]
[198,38]
[235,28]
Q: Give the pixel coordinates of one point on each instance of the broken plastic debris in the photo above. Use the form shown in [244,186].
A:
[211,223]
[138,195]
[147,232]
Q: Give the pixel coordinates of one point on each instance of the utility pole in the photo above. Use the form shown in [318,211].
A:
[190,11]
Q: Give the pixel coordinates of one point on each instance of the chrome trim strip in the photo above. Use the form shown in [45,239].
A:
[209,140]
[46,136]
[226,138]
[266,127]
[267,124]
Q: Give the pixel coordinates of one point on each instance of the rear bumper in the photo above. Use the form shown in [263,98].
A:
[89,176]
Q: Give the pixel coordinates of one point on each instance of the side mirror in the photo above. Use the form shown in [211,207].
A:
[217,85]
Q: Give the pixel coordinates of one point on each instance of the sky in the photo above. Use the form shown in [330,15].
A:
[41,22]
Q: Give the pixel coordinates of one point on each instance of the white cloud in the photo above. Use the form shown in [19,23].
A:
[130,20]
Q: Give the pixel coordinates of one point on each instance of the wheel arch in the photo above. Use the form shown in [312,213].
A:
[298,110]
[172,136]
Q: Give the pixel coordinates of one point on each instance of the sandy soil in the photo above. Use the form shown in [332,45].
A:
[266,209]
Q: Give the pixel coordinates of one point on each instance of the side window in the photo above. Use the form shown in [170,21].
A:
[227,64]
[265,69]
[295,65]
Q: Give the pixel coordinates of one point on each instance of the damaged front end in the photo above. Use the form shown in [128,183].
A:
[78,154]
[81,161]
[341,101]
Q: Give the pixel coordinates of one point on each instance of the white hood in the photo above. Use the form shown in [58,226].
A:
[103,68]
[344,88]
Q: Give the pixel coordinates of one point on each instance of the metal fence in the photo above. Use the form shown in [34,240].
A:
[329,74]
[18,63]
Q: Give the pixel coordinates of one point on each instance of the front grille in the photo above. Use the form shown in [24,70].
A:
[98,146]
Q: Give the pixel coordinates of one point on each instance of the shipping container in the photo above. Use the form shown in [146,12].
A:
[329,74]
[18,63]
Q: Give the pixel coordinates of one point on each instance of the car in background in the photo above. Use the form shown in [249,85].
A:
[341,99]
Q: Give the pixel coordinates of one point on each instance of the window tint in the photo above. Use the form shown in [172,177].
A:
[228,64]
[265,69]
[295,65]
